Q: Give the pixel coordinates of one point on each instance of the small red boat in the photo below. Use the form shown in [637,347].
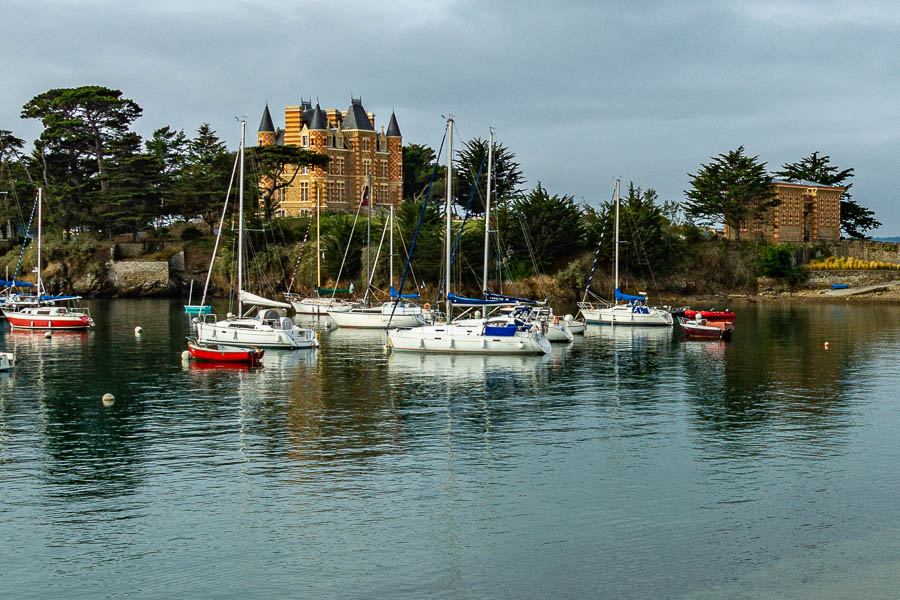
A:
[222,353]
[704,329]
[710,315]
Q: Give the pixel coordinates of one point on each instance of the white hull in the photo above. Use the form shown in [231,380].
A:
[250,332]
[576,327]
[378,318]
[320,306]
[7,360]
[467,339]
[559,332]
[625,314]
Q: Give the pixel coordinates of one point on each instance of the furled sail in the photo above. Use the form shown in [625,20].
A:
[253,299]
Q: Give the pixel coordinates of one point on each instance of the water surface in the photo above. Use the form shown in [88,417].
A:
[630,464]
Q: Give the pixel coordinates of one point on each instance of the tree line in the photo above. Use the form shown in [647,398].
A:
[101,178]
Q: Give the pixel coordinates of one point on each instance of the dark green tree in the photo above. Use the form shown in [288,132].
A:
[733,188]
[428,255]
[541,227]
[647,243]
[506,179]
[131,199]
[418,164]
[86,120]
[170,149]
[855,219]
[205,178]
[277,167]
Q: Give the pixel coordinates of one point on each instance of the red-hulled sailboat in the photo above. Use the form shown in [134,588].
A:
[223,353]
[40,311]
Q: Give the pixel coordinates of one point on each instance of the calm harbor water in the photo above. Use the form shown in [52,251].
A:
[630,464]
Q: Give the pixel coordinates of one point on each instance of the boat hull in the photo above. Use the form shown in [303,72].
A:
[623,314]
[559,333]
[226,354]
[7,360]
[712,315]
[379,318]
[27,321]
[464,339]
[320,306]
[232,332]
[706,330]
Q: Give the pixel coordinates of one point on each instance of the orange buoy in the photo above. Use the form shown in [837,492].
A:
[826,345]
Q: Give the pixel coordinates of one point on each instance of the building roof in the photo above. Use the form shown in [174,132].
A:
[318,120]
[393,128]
[356,117]
[808,184]
[266,125]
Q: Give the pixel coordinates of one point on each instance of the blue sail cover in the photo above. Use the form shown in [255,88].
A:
[47,298]
[621,296]
[6,283]
[495,297]
[394,294]
[475,301]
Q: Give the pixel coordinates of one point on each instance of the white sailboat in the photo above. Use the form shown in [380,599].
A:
[500,335]
[627,309]
[269,327]
[406,314]
[40,311]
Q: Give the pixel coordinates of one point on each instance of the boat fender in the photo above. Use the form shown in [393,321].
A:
[569,317]
[427,306]
[556,320]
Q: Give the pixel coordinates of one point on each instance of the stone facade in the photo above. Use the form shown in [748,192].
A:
[808,212]
[356,152]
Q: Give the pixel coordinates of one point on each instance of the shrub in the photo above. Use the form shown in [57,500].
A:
[191,233]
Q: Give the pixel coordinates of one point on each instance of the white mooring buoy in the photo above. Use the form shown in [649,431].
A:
[185,356]
[138,330]
[108,399]
[48,335]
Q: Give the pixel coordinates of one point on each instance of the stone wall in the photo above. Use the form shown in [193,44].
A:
[138,277]
[867,250]
[851,278]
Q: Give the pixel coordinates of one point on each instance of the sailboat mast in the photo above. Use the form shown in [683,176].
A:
[368,229]
[40,284]
[391,255]
[240,265]
[447,210]
[617,239]
[318,244]
[487,211]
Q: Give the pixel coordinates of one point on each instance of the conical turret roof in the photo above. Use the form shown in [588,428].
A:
[356,117]
[266,125]
[393,128]
[318,120]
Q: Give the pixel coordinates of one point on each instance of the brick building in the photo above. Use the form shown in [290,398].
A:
[808,212]
[355,151]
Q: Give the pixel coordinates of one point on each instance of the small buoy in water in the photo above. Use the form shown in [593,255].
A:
[185,356]
[108,399]
[327,324]
[826,345]
[138,330]
[195,320]
[48,335]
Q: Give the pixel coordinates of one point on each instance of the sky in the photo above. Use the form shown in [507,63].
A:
[582,92]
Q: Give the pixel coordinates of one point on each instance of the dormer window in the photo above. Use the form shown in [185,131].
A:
[305,141]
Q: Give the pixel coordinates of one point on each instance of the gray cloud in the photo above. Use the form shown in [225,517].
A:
[582,92]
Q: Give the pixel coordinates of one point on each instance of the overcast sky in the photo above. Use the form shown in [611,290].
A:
[582,92]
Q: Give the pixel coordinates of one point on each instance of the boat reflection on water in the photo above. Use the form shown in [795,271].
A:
[630,334]
[26,340]
[464,367]
[343,337]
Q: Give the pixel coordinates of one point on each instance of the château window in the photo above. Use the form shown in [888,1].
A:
[384,168]
[305,141]
[367,166]
[304,191]
[340,191]
[330,192]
